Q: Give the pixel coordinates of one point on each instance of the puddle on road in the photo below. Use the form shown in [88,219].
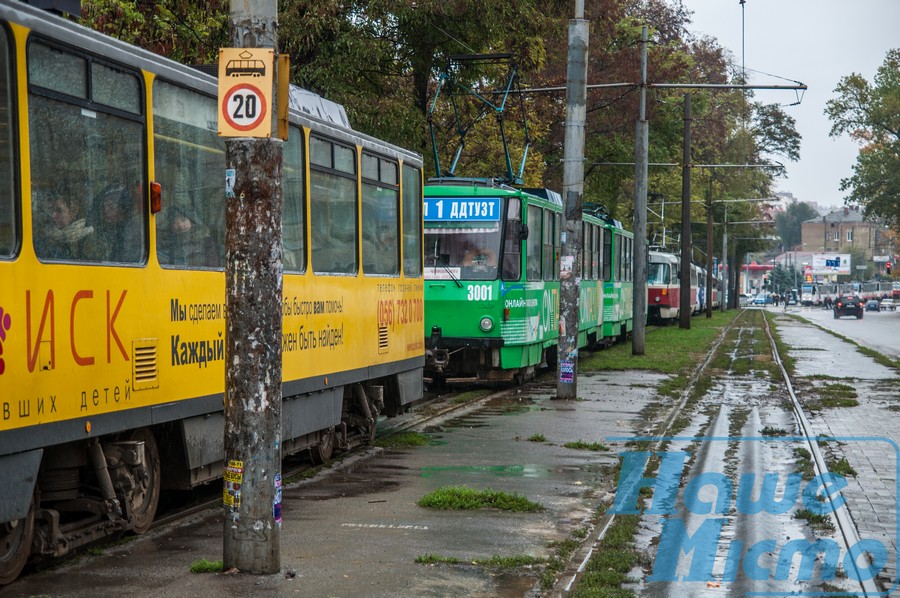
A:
[515,471]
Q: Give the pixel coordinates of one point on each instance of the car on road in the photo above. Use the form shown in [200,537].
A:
[848,305]
[761,299]
[744,299]
[887,304]
[873,305]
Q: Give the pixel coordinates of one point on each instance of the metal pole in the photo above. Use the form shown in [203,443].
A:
[684,310]
[639,296]
[573,191]
[253,291]
[723,303]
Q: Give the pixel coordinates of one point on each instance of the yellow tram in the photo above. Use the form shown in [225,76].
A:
[112,290]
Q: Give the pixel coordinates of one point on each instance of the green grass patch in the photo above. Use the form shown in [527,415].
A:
[205,566]
[609,566]
[668,349]
[537,438]
[815,520]
[465,498]
[804,463]
[772,431]
[837,395]
[842,467]
[471,395]
[581,445]
[402,440]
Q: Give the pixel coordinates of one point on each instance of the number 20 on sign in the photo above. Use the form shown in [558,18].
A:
[245,92]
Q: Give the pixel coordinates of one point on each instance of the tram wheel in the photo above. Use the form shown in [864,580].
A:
[15,546]
[145,497]
[322,451]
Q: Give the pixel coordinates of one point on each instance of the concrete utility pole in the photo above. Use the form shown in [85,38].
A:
[684,314]
[642,136]
[709,252]
[573,193]
[253,291]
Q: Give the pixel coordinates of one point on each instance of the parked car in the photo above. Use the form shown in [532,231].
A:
[761,299]
[849,305]
[872,305]
[888,304]
[744,299]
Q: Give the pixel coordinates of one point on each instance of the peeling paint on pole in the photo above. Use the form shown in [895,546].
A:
[252,194]
[573,190]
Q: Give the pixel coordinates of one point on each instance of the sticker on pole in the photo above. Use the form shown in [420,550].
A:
[245,92]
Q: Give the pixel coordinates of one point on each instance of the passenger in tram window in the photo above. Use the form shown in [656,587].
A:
[186,242]
[118,225]
[69,236]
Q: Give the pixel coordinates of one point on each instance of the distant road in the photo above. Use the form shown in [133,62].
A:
[878,330]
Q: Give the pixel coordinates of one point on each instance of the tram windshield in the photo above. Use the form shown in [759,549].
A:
[659,273]
[469,253]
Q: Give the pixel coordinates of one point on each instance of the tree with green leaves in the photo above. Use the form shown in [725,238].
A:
[870,114]
[789,223]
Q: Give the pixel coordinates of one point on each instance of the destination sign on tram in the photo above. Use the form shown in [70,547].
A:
[462,209]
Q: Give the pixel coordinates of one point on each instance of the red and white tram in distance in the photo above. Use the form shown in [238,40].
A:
[664,288]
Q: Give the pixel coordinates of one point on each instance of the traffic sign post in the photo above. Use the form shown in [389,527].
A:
[252,193]
[245,92]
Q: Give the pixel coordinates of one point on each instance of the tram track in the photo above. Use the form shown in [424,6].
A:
[845,527]
[714,419]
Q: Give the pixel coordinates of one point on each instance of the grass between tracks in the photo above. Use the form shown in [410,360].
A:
[667,349]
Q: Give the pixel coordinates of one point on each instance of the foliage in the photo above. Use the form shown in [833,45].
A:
[789,223]
[188,32]
[870,114]
[382,59]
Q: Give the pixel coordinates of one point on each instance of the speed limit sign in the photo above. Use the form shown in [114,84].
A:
[245,92]
[244,107]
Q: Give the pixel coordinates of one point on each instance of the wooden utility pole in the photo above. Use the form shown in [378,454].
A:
[684,311]
[573,192]
[253,291]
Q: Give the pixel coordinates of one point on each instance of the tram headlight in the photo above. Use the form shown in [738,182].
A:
[487,324]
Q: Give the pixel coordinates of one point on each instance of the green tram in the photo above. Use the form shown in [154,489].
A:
[492,280]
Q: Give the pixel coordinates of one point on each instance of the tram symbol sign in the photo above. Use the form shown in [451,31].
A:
[245,92]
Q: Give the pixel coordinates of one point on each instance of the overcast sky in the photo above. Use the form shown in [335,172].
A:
[815,42]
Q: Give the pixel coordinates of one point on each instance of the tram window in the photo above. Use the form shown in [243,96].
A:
[333,208]
[86,166]
[607,256]
[548,255]
[619,261]
[595,253]
[189,161]
[412,221]
[54,69]
[380,216]
[586,250]
[8,204]
[533,244]
[293,222]
[512,248]
[115,88]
